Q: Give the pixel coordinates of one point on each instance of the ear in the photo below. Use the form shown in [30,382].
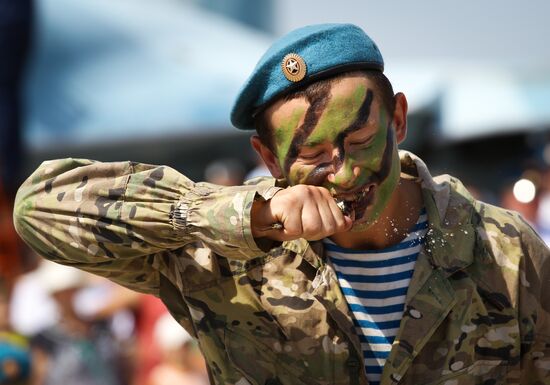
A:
[400,117]
[267,156]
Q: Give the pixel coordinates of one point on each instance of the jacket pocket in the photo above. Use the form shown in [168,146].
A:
[258,363]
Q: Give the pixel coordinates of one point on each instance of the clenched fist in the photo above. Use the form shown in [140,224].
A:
[304,211]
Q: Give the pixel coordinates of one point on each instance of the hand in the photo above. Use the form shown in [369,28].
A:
[304,211]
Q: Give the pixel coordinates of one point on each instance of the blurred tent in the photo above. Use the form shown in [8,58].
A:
[154,81]
[107,71]
[468,101]
[480,102]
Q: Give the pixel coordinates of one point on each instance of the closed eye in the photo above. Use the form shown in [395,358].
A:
[312,155]
[362,141]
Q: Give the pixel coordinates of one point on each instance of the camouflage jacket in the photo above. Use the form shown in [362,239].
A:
[476,310]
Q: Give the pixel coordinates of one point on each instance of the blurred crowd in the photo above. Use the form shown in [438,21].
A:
[530,196]
[59,325]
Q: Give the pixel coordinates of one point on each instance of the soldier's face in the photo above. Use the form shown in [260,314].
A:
[342,139]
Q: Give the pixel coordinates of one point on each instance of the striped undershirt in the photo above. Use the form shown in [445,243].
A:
[375,284]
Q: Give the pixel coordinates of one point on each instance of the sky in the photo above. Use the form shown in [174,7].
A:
[511,33]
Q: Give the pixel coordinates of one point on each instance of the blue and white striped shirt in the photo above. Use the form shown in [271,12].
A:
[375,284]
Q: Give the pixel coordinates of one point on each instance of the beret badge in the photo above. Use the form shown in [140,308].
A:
[294,67]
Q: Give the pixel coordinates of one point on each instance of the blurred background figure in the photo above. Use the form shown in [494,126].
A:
[225,172]
[181,361]
[32,308]
[127,317]
[521,196]
[144,353]
[259,170]
[543,212]
[11,261]
[147,353]
[15,356]
[74,351]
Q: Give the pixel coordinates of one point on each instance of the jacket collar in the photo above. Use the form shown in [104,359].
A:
[448,248]
[450,240]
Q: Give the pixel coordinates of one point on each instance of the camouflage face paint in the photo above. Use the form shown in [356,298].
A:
[321,171]
[378,165]
[318,103]
[284,133]
[385,177]
[360,122]
[372,161]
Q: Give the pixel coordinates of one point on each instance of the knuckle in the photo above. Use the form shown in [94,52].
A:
[310,191]
[325,192]
[330,228]
[313,228]
[300,187]
[292,205]
[293,231]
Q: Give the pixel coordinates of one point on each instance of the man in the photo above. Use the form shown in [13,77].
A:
[354,266]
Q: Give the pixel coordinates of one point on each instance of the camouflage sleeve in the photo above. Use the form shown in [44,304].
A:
[534,308]
[122,219]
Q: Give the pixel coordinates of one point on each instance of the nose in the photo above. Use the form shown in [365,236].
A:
[344,176]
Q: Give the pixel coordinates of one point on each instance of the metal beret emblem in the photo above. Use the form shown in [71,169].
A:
[294,67]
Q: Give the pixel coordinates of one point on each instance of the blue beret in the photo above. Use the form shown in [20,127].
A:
[300,58]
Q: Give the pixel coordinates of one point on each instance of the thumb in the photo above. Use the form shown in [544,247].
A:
[349,221]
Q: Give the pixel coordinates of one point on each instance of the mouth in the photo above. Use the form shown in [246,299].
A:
[357,202]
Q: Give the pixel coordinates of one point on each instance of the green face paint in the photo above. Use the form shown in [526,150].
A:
[340,113]
[361,154]
[381,170]
[284,133]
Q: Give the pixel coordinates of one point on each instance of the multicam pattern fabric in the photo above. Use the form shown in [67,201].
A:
[477,309]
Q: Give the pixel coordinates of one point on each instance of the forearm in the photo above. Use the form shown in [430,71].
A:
[84,211]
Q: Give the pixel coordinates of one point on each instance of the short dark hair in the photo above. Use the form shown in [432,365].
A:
[381,82]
